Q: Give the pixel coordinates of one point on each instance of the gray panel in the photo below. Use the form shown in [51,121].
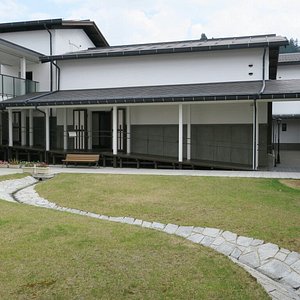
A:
[39,131]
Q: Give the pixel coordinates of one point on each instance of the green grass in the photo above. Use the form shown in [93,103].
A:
[48,254]
[261,208]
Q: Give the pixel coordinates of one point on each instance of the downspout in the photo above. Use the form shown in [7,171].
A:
[51,62]
[58,75]
[255,144]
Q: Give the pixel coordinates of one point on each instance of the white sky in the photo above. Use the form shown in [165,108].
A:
[139,21]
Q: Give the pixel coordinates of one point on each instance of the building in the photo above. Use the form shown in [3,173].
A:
[187,103]
[287,116]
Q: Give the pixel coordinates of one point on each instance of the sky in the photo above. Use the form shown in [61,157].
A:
[146,21]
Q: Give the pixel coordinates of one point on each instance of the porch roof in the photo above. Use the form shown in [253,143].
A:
[225,91]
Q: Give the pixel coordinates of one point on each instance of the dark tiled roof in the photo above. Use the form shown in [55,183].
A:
[88,26]
[289,58]
[176,47]
[275,89]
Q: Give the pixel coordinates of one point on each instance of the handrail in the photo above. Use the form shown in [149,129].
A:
[11,86]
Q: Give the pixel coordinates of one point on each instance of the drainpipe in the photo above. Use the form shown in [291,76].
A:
[58,75]
[255,122]
[51,62]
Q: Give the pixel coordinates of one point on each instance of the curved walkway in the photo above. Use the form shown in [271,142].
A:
[276,269]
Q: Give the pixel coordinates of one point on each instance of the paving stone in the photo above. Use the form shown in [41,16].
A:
[281,256]
[158,226]
[184,231]
[257,242]
[196,237]
[279,296]
[138,222]
[286,251]
[128,220]
[249,249]
[146,224]
[251,259]
[103,217]
[171,228]
[207,241]
[116,219]
[296,266]
[236,253]
[266,251]
[218,241]
[212,232]
[229,236]
[293,279]
[275,269]
[225,248]
[92,215]
[198,229]
[244,241]
[292,258]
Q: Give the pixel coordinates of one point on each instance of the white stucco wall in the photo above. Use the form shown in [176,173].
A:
[39,40]
[286,72]
[292,134]
[184,68]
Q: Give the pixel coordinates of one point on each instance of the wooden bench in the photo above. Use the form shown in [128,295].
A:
[81,158]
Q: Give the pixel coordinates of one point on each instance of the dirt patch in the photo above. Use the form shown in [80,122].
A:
[292,183]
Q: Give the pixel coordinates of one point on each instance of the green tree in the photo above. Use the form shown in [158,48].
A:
[291,47]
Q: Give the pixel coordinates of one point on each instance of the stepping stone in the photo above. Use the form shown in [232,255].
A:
[207,241]
[146,224]
[218,241]
[171,228]
[236,253]
[266,251]
[293,279]
[196,237]
[158,226]
[138,222]
[296,266]
[184,231]
[128,220]
[198,229]
[292,258]
[225,248]
[229,236]
[116,219]
[275,269]
[244,241]
[281,256]
[212,232]
[251,259]
[257,242]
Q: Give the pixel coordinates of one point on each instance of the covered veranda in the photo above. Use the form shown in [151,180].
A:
[119,139]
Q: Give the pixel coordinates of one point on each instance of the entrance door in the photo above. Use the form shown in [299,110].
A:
[80,125]
[102,130]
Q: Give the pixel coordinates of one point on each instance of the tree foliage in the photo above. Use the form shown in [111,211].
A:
[291,47]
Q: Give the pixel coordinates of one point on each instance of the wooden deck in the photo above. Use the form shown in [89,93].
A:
[55,156]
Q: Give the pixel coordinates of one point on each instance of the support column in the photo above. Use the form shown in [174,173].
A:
[65,124]
[30,127]
[23,127]
[255,127]
[10,128]
[188,132]
[128,133]
[23,75]
[23,68]
[47,133]
[1,128]
[115,130]
[180,133]
[90,133]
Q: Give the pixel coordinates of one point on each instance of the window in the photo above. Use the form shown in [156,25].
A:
[283,126]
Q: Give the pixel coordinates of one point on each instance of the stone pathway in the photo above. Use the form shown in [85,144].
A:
[276,269]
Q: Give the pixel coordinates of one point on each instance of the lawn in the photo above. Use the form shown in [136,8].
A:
[48,254]
[262,208]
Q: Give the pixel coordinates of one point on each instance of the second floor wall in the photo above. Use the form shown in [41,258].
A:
[164,69]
